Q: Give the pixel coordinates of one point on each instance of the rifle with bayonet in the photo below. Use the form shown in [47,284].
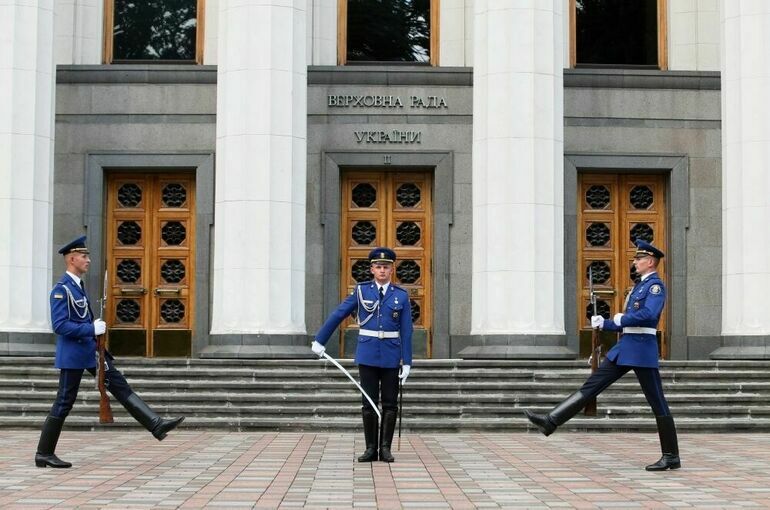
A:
[105,411]
[596,346]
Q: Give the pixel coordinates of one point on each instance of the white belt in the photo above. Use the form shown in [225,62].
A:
[639,331]
[378,334]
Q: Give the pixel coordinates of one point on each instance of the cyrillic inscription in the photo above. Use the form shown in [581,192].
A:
[392,136]
[385,101]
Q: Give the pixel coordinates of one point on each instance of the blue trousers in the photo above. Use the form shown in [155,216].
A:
[69,384]
[649,380]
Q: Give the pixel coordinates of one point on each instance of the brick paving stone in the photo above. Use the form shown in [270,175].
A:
[209,469]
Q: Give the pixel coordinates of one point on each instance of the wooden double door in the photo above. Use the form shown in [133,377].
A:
[613,211]
[393,209]
[151,263]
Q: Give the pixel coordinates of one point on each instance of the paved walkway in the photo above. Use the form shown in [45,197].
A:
[205,469]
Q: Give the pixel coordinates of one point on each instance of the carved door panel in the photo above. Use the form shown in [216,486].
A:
[613,211]
[151,263]
[391,209]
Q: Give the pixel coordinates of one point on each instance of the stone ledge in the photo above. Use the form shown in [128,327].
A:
[388,75]
[741,353]
[516,352]
[27,349]
[137,73]
[257,351]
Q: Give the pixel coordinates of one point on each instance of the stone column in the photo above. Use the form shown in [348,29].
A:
[79,26]
[26,175]
[518,204]
[259,211]
[322,36]
[745,180]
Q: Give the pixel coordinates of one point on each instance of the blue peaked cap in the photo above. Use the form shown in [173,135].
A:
[76,245]
[644,248]
[382,255]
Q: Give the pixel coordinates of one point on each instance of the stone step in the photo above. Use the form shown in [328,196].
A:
[292,374]
[123,363]
[247,385]
[442,395]
[615,399]
[422,424]
[612,410]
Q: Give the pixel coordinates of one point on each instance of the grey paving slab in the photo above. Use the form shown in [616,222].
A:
[205,469]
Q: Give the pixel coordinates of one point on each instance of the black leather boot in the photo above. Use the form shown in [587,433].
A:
[49,437]
[559,415]
[370,435]
[149,418]
[388,427]
[669,445]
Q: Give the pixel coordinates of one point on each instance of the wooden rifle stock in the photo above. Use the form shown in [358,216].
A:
[105,411]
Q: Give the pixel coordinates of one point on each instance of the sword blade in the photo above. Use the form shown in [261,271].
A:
[371,402]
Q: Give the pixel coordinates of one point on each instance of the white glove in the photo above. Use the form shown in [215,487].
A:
[99,327]
[404,373]
[597,321]
[318,348]
[616,319]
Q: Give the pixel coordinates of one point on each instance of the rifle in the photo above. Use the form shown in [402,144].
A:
[105,411]
[596,347]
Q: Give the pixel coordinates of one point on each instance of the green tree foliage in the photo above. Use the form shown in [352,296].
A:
[614,32]
[155,29]
[389,30]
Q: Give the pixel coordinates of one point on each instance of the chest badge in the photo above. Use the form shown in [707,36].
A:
[396,301]
[636,305]
[396,315]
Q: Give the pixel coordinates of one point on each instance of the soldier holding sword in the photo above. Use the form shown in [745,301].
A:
[384,317]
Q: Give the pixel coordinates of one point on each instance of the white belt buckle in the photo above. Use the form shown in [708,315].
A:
[380,334]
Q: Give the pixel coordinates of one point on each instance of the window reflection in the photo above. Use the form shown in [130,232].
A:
[388,31]
[612,32]
[154,29]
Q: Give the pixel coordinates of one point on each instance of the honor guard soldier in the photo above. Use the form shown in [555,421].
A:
[636,350]
[384,318]
[76,331]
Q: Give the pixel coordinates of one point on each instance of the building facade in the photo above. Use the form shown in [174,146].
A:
[233,163]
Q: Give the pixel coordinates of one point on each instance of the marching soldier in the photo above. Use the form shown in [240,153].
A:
[384,317]
[76,331]
[636,350]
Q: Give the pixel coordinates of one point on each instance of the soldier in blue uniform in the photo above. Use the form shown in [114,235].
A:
[384,318]
[636,350]
[76,331]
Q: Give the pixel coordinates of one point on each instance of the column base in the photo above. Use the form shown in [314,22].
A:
[743,347]
[258,347]
[511,347]
[27,344]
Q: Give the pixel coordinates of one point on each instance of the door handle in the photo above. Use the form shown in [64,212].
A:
[605,292]
[133,291]
[167,292]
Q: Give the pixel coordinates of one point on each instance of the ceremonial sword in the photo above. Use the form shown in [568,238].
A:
[336,364]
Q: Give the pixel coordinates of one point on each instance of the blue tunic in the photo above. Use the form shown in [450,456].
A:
[643,309]
[394,314]
[72,321]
